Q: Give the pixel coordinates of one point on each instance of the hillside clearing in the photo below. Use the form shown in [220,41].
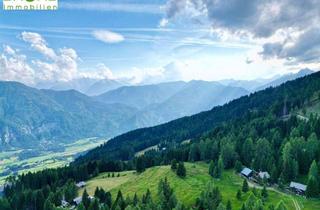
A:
[189,188]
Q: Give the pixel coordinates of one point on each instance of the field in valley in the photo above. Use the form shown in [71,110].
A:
[12,163]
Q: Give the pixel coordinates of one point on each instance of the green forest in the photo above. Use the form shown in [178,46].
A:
[272,131]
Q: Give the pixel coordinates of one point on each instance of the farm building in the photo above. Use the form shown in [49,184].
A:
[298,188]
[81,184]
[77,200]
[246,172]
[264,175]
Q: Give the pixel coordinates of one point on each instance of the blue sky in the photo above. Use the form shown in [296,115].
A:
[155,41]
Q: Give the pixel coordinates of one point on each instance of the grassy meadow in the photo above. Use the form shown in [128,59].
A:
[188,189]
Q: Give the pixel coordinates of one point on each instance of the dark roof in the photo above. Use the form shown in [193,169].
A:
[246,171]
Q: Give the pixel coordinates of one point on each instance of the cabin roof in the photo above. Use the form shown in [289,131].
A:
[264,174]
[81,184]
[77,200]
[246,171]
[298,186]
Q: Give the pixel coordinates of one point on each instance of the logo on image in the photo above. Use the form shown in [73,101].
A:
[30,4]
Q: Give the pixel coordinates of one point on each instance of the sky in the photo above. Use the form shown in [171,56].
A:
[151,41]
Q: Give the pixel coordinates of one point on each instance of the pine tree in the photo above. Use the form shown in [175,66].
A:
[174,164]
[181,170]
[108,200]
[245,186]
[264,192]
[94,205]
[211,168]
[229,206]
[81,207]
[166,195]
[135,199]
[313,171]
[220,168]
[140,164]
[239,194]
[147,197]
[119,202]
[238,166]
[85,199]
[258,205]
[254,191]
[210,198]
[312,187]
[250,202]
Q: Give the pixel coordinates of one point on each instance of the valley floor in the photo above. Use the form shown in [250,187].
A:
[12,163]
[188,189]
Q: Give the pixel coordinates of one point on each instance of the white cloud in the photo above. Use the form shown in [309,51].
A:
[164,22]
[14,67]
[101,72]
[58,65]
[108,36]
[38,43]
[7,49]
[173,71]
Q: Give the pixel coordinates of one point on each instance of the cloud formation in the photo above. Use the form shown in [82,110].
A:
[108,36]
[260,20]
[14,67]
[58,65]
[305,48]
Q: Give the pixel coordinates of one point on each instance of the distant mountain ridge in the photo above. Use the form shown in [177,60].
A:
[285,78]
[88,86]
[29,116]
[194,97]
[270,100]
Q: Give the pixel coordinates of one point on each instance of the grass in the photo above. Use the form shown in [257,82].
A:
[188,189]
[46,159]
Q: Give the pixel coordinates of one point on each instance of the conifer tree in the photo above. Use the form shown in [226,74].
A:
[181,170]
[85,199]
[211,168]
[239,194]
[94,205]
[174,164]
[135,199]
[264,192]
[312,187]
[245,186]
[229,206]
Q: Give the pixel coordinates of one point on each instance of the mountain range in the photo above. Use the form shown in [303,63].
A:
[30,116]
[267,105]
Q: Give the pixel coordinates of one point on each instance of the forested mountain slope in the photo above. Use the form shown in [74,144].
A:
[29,116]
[291,95]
